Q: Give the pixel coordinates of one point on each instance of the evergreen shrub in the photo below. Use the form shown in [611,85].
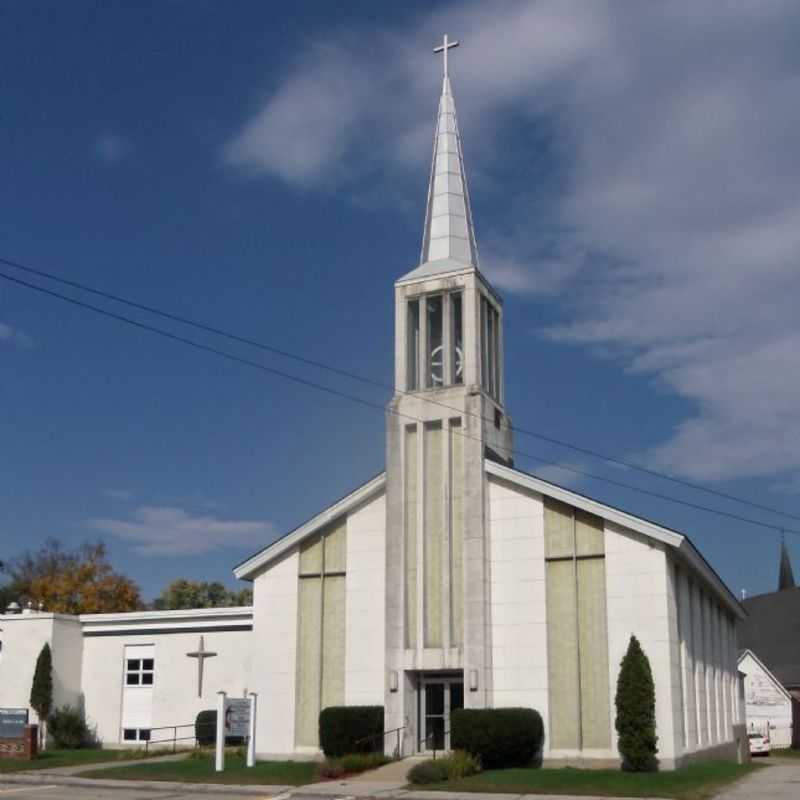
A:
[67,729]
[636,711]
[430,771]
[457,764]
[350,729]
[42,686]
[498,737]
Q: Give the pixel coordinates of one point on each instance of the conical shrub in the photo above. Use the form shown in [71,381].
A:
[636,711]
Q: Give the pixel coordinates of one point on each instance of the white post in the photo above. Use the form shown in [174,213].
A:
[219,763]
[251,733]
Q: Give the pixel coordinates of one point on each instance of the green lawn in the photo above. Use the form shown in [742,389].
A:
[67,758]
[201,770]
[695,782]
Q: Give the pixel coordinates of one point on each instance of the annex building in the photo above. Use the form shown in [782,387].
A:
[450,579]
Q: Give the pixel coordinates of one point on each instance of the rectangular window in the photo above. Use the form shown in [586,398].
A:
[435,355]
[577,633]
[484,349]
[412,346]
[136,734]
[139,671]
[456,340]
[490,349]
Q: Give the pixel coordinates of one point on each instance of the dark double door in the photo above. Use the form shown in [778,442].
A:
[439,697]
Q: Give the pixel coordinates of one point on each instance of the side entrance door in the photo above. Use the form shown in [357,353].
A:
[438,698]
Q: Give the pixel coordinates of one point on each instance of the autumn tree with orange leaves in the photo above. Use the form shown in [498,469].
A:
[80,581]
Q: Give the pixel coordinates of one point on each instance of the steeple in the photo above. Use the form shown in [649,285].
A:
[785,574]
[449,232]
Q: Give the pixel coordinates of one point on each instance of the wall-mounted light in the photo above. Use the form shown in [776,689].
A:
[393,680]
[473,680]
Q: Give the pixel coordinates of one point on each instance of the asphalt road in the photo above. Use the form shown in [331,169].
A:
[46,792]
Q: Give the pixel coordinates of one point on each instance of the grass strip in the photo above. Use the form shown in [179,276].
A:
[52,759]
[698,781]
[201,770]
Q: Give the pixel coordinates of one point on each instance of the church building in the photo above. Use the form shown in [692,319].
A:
[452,579]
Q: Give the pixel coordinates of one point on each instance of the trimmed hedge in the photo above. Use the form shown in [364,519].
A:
[498,737]
[205,730]
[344,729]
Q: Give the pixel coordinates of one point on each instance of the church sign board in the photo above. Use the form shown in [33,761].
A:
[13,722]
[17,738]
[237,716]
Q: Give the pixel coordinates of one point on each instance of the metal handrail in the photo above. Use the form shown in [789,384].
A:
[174,738]
[430,736]
[383,736]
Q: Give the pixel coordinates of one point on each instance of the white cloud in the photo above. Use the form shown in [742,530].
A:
[15,336]
[661,199]
[111,148]
[566,475]
[165,531]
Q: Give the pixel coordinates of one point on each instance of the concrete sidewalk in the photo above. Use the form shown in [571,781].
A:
[128,762]
[386,781]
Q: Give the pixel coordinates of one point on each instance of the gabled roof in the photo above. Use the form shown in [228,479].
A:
[748,652]
[674,539]
[772,629]
[249,567]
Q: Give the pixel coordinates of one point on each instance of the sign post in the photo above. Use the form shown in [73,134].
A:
[219,762]
[251,734]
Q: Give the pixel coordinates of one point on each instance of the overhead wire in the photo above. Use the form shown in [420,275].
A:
[381,384]
[369,404]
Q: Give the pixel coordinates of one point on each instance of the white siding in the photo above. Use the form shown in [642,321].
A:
[365,604]
[637,580]
[768,707]
[518,631]
[274,649]
[174,692]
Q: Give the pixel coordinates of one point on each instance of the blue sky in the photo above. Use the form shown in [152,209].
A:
[263,167]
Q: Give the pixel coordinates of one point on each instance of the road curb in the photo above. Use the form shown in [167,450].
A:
[107,783]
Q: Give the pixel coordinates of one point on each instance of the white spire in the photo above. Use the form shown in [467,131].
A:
[448,232]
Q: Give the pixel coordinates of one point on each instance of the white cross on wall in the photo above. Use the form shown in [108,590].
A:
[201,654]
[443,48]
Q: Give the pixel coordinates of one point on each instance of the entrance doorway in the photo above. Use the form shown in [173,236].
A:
[438,697]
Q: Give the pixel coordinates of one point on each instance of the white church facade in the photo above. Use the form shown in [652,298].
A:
[451,579]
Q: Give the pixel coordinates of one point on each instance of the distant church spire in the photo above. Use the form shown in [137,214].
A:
[785,574]
[449,232]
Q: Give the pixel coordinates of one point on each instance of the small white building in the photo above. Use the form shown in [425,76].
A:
[768,706]
[451,579]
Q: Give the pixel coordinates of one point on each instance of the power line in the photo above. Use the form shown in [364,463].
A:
[353,398]
[380,384]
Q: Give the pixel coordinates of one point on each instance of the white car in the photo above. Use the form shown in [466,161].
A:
[759,744]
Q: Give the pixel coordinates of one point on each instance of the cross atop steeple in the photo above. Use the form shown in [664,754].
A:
[785,575]
[448,235]
[443,48]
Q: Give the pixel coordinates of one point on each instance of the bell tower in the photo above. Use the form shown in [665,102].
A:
[446,416]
